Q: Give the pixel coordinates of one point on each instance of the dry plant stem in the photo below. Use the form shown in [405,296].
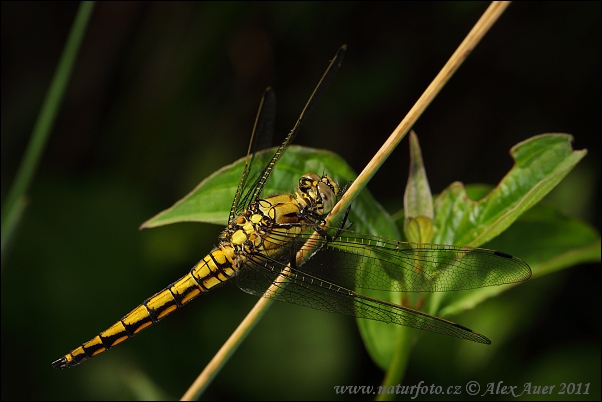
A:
[488,18]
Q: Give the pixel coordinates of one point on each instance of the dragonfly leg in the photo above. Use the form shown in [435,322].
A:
[340,229]
[344,189]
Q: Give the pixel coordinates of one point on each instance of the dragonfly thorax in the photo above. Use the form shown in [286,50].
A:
[318,194]
[265,222]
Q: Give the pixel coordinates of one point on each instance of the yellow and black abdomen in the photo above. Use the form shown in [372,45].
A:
[215,268]
[266,227]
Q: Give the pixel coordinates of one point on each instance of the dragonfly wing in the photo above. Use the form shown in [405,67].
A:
[252,192]
[360,261]
[261,138]
[298,287]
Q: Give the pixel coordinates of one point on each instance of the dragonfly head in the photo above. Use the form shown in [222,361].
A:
[318,193]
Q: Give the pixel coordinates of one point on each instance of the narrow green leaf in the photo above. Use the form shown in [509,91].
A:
[418,200]
[16,200]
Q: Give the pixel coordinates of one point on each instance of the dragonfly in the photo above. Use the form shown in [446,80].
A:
[264,237]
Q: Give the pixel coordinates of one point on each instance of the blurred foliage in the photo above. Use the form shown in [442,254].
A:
[164,94]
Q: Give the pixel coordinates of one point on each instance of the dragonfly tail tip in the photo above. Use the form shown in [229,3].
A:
[61,363]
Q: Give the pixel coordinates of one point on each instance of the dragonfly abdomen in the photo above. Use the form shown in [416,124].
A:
[216,268]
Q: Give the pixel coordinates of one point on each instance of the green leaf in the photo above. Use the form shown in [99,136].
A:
[417,200]
[211,200]
[541,162]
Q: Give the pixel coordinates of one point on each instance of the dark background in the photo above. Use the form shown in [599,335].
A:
[163,94]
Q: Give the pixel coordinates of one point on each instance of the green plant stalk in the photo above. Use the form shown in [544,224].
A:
[399,364]
[15,201]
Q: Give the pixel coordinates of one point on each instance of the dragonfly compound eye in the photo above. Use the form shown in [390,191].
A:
[330,183]
[307,181]
[328,190]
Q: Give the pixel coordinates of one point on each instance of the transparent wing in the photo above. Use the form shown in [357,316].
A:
[259,168]
[261,138]
[307,290]
[371,262]
[357,261]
